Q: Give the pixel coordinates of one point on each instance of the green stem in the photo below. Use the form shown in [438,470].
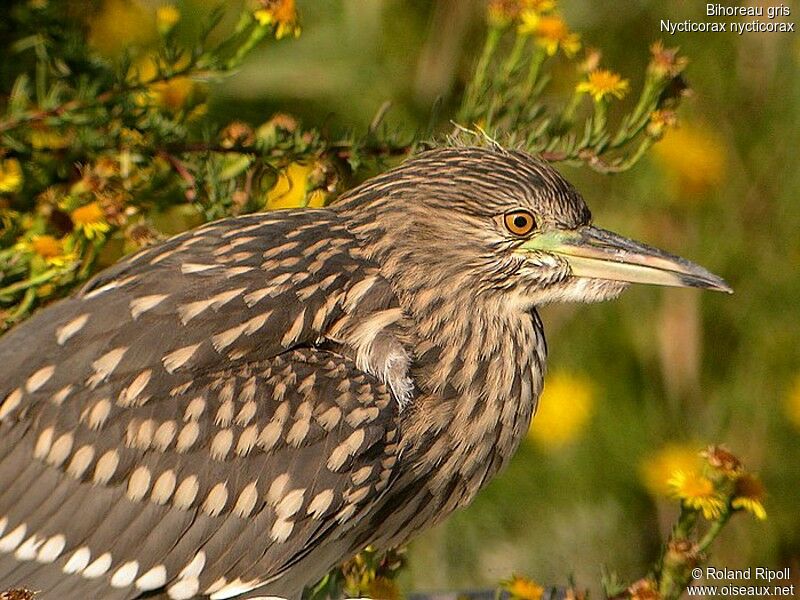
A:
[599,121]
[476,85]
[15,288]
[533,72]
[713,531]
[258,33]
[637,119]
[513,58]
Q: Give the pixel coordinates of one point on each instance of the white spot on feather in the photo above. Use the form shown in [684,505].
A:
[163,487]
[188,436]
[78,561]
[99,567]
[275,492]
[194,567]
[51,549]
[216,499]
[13,539]
[186,493]
[346,449]
[130,395]
[195,409]
[81,461]
[65,332]
[99,413]
[246,501]
[295,330]
[138,484]
[61,395]
[187,268]
[184,589]
[138,306]
[320,504]
[153,579]
[235,588]
[105,467]
[60,450]
[11,402]
[125,575]
[43,444]
[228,337]
[290,503]
[38,379]
[175,360]
[105,365]
[221,444]
[111,285]
[28,549]
[281,530]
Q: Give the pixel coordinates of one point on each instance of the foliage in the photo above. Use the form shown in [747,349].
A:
[101,157]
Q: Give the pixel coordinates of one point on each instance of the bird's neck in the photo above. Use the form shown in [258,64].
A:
[479,369]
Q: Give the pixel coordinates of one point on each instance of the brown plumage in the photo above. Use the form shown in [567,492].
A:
[234,411]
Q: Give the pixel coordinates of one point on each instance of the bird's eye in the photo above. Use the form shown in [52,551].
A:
[520,222]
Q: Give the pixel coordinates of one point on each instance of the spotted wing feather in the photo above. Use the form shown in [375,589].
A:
[177,412]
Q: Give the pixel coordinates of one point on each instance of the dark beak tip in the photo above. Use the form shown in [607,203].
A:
[717,285]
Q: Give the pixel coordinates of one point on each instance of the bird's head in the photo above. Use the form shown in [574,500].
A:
[505,224]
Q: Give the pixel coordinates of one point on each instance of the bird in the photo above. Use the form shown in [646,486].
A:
[233,411]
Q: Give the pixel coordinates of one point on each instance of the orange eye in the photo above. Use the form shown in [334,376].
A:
[519,222]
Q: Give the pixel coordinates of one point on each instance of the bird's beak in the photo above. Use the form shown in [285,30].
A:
[600,254]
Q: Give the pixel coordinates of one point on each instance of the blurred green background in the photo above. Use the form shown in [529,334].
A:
[636,386]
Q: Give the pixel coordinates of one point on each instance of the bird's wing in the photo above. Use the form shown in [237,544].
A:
[141,377]
[218,488]
[250,287]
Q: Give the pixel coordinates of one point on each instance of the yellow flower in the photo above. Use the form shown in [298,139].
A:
[502,12]
[52,250]
[748,495]
[280,13]
[540,6]
[90,220]
[46,246]
[522,588]
[292,189]
[697,492]
[120,24]
[792,403]
[695,156]
[564,410]
[167,17]
[550,32]
[11,177]
[601,83]
[171,94]
[656,469]
[49,139]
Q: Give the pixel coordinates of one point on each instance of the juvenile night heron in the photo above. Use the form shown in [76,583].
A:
[234,411]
